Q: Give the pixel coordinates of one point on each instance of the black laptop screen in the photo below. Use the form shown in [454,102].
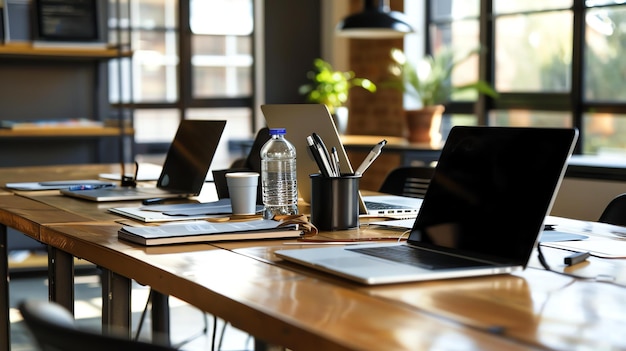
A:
[190,155]
[492,188]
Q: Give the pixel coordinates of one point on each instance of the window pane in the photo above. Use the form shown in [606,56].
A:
[605,42]
[238,127]
[119,83]
[149,14]
[155,54]
[528,118]
[450,120]
[222,48]
[155,126]
[534,52]
[604,134]
[462,36]
[221,17]
[450,9]
[508,6]
[155,63]
[591,3]
[222,66]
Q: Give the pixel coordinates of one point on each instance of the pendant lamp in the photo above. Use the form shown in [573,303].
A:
[375,23]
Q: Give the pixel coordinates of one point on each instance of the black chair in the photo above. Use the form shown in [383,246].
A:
[615,211]
[54,329]
[408,181]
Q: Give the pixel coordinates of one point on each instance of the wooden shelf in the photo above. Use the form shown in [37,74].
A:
[27,50]
[54,132]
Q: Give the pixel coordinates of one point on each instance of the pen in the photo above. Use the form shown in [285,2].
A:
[323,152]
[335,157]
[89,187]
[153,201]
[576,258]
[317,155]
[370,157]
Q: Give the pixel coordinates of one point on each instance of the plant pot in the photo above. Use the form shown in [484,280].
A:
[340,117]
[423,125]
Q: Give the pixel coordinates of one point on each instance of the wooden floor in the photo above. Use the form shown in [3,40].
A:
[28,280]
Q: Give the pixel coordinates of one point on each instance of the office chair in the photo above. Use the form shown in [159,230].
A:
[408,181]
[54,328]
[615,211]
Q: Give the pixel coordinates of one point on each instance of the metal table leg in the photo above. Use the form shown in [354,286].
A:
[61,278]
[5,324]
[160,318]
[116,294]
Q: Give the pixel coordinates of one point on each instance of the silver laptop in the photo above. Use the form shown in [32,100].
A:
[184,171]
[301,120]
[482,213]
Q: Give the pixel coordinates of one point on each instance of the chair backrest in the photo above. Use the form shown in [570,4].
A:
[408,181]
[615,211]
[53,328]
[252,164]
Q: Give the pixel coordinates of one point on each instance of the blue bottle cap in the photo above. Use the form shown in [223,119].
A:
[278,131]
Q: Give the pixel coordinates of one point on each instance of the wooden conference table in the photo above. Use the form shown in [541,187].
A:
[289,305]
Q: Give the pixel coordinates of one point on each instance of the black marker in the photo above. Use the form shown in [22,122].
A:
[576,258]
[153,201]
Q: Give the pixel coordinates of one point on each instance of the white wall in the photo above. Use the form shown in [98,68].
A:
[585,199]
[334,48]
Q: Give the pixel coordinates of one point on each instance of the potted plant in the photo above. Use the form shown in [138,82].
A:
[331,88]
[429,82]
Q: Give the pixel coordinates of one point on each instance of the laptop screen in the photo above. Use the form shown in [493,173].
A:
[190,155]
[492,189]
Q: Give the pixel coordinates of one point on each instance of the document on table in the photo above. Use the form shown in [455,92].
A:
[599,247]
[202,231]
[178,212]
[57,184]
[546,235]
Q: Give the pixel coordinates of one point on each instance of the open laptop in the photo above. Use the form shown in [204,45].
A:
[302,120]
[482,213]
[184,171]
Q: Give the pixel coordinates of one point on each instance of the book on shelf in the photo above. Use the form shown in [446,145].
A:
[16,21]
[203,231]
[40,124]
[78,45]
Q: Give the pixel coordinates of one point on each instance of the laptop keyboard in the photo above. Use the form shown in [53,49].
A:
[383,206]
[415,257]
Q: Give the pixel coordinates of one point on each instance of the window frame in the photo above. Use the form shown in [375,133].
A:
[185,100]
[571,102]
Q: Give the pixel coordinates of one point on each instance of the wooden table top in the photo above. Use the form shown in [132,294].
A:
[277,304]
[291,305]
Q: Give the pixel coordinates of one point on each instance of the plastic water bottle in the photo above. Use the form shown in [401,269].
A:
[278,175]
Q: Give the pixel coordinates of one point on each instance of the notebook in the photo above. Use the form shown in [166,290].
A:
[184,171]
[482,213]
[301,120]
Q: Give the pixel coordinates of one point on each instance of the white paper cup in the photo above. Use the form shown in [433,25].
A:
[242,188]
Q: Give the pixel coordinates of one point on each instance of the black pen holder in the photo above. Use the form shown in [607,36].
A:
[335,202]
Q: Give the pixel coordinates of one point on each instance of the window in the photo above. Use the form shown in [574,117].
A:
[555,63]
[191,59]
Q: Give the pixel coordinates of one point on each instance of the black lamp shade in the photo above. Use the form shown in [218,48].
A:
[374,23]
